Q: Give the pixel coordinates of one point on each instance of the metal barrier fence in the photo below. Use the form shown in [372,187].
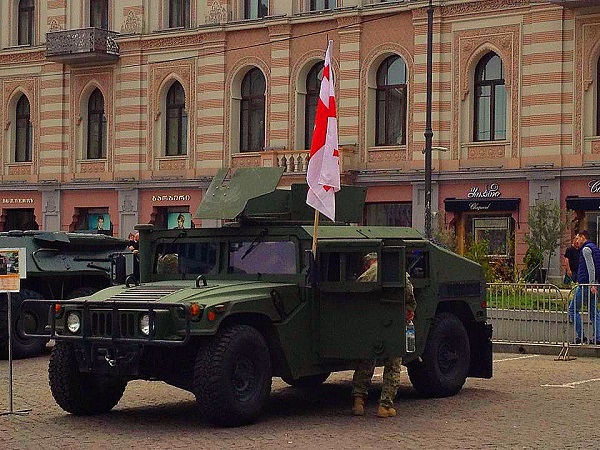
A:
[539,313]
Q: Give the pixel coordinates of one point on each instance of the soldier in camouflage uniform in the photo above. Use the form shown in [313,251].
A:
[392,366]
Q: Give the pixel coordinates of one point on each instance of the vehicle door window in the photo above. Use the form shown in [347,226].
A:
[264,257]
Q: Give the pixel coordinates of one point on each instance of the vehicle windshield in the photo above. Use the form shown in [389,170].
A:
[186,257]
[264,257]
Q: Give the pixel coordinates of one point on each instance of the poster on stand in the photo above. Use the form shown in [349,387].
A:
[13,267]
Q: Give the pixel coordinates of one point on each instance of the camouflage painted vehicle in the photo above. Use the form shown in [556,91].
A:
[221,311]
[59,266]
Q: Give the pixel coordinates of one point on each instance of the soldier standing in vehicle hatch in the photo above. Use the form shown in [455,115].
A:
[392,366]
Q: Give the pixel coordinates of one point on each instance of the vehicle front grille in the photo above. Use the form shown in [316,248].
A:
[103,323]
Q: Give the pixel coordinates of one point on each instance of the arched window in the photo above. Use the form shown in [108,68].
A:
[490,100]
[177,121]
[99,14]
[252,112]
[313,87]
[96,131]
[25,26]
[179,13]
[320,5]
[255,9]
[390,112]
[23,131]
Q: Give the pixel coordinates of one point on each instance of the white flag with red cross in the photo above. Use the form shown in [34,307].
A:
[323,173]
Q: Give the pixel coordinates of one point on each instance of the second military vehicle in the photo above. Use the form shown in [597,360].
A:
[221,311]
[59,266]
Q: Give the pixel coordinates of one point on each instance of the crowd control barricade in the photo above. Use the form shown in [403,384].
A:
[527,313]
[583,315]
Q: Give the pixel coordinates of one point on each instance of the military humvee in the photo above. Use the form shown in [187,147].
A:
[59,266]
[221,311]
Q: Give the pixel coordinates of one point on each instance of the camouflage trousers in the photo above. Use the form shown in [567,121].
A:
[391,379]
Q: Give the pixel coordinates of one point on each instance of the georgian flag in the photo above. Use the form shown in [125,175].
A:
[323,173]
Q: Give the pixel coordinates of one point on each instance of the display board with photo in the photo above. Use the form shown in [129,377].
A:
[99,222]
[179,220]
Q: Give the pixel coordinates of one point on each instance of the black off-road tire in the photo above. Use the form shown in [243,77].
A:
[23,346]
[232,376]
[445,361]
[83,291]
[307,382]
[79,393]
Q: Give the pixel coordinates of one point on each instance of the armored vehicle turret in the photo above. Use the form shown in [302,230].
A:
[59,266]
[221,311]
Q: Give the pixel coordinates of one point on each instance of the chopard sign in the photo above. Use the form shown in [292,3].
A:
[479,207]
[594,186]
[491,191]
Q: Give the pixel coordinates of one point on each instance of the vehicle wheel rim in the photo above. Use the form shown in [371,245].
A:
[244,378]
[448,356]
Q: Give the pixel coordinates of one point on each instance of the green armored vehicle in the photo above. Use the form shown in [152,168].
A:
[59,266]
[221,311]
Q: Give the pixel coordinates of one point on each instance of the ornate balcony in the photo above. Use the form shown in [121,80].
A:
[294,162]
[82,46]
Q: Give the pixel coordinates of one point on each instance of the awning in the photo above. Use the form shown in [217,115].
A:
[480,204]
[583,203]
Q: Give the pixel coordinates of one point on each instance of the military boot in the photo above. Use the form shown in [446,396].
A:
[359,406]
[386,411]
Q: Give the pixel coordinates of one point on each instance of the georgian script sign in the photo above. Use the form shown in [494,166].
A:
[594,186]
[16,200]
[491,191]
[171,198]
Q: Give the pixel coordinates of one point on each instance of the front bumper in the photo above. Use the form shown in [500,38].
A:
[114,323]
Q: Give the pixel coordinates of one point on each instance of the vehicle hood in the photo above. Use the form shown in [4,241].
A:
[216,291]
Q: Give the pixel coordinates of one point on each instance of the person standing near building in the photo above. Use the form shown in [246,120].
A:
[363,374]
[588,273]
[571,259]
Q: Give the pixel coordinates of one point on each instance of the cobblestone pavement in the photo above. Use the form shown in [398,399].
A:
[532,402]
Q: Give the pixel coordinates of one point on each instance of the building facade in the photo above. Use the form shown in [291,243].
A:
[119,112]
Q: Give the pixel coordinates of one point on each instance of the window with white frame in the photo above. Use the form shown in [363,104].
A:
[390,112]
[252,112]
[24,131]
[256,9]
[177,121]
[96,126]
[25,25]
[490,99]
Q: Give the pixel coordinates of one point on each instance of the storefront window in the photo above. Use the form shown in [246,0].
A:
[389,214]
[495,230]
[593,226]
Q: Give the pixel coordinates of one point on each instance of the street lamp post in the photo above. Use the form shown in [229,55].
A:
[428,131]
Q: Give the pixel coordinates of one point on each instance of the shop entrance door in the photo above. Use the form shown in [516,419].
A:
[20,219]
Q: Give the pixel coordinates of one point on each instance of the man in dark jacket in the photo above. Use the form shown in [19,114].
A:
[588,274]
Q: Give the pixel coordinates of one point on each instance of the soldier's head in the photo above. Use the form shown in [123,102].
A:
[370,259]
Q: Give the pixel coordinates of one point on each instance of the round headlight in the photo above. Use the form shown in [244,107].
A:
[145,324]
[73,322]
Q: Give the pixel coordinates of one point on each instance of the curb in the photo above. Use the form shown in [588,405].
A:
[591,351]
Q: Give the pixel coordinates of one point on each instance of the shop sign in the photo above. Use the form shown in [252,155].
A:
[479,207]
[6,201]
[171,198]
[491,191]
[594,186]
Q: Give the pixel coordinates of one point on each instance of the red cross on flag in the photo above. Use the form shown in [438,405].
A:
[323,173]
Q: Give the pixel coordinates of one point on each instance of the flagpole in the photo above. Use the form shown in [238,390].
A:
[315,233]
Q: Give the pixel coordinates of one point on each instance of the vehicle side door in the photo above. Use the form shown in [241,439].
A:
[359,320]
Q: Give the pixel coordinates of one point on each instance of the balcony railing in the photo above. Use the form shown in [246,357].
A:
[84,45]
[293,161]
